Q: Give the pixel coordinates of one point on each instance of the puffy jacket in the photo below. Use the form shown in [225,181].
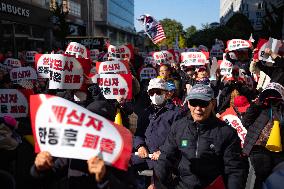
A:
[153,127]
[207,150]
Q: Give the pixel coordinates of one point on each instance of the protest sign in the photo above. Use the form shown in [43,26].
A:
[230,116]
[63,71]
[120,52]
[114,66]
[235,44]
[275,86]
[13,102]
[42,65]
[147,73]
[226,67]
[216,51]
[194,58]
[23,73]
[272,44]
[164,57]
[76,49]
[68,130]
[30,56]
[114,85]
[12,62]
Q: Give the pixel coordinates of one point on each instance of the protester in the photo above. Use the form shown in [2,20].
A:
[154,124]
[207,148]
[259,120]
[74,173]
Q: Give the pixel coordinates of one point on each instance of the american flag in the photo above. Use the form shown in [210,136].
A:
[160,34]
[152,28]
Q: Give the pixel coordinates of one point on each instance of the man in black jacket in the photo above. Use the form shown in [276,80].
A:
[207,147]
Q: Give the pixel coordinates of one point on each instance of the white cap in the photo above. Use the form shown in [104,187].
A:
[157,83]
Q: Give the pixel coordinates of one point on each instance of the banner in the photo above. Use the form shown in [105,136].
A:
[235,44]
[68,130]
[194,58]
[76,49]
[42,65]
[12,62]
[63,71]
[23,73]
[115,66]
[120,52]
[272,44]
[226,67]
[275,86]
[164,57]
[30,56]
[147,73]
[230,116]
[149,60]
[114,85]
[216,51]
[13,102]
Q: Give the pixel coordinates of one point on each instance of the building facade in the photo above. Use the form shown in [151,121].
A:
[114,19]
[254,10]
[25,25]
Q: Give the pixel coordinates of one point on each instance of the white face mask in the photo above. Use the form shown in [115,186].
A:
[158,99]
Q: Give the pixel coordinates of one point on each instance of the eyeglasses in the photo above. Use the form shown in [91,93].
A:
[200,103]
[153,91]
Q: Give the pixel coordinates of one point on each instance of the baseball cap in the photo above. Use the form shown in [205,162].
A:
[242,103]
[157,83]
[201,92]
[171,86]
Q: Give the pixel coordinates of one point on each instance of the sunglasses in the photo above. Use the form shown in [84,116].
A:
[154,91]
[200,103]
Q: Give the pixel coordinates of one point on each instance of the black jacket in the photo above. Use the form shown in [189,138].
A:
[255,119]
[74,174]
[207,150]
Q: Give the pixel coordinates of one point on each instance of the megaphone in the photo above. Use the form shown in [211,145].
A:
[274,141]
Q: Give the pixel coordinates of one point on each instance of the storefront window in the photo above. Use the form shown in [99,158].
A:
[74,8]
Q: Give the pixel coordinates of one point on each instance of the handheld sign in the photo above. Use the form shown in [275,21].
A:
[164,57]
[194,58]
[76,49]
[68,130]
[147,73]
[23,73]
[120,52]
[114,85]
[12,62]
[236,44]
[13,102]
[115,66]
[30,56]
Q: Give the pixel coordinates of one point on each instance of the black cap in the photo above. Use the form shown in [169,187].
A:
[102,108]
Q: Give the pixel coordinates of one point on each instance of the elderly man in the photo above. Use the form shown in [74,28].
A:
[209,150]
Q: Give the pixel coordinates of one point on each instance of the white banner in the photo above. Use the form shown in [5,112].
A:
[148,73]
[68,130]
[76,49]
[194,58]
[235,44]
[13,102]
[12,62]
[30,56]
[23,73]
[114,66]
[164,57]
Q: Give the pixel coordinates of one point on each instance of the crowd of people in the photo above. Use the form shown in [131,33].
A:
[179,140]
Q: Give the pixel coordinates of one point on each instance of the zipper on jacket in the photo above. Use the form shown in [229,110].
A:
[197,143]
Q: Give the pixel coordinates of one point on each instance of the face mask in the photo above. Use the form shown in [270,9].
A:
[157,99]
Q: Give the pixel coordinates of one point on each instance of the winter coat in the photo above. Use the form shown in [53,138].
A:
[153,127]
[206,150]
[254,120]
[74,174]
